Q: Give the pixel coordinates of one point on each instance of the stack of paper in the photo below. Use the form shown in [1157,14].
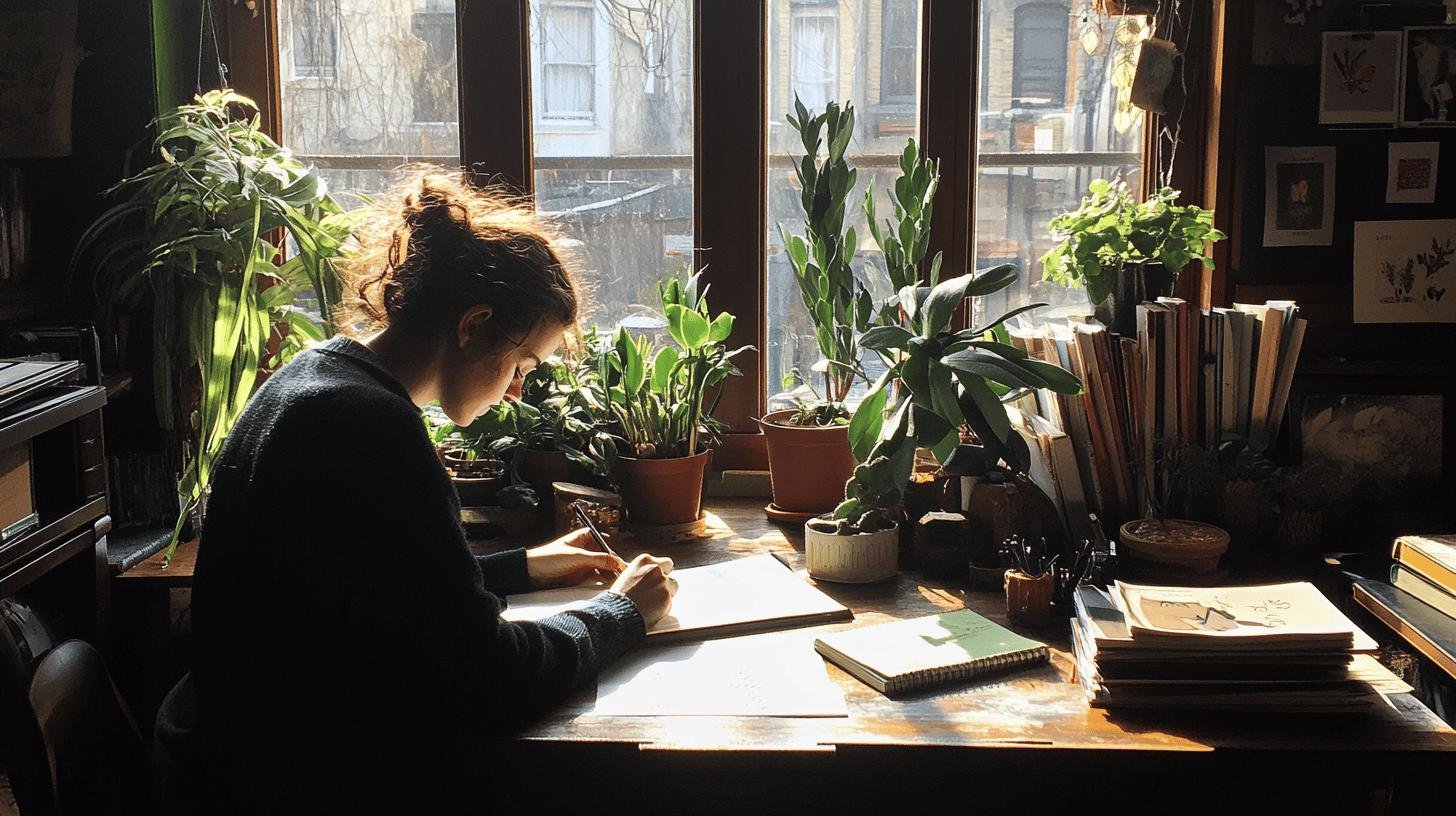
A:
[1278,647]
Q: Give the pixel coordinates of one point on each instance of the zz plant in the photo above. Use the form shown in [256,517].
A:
[657,395]
[195,235]
[839,306]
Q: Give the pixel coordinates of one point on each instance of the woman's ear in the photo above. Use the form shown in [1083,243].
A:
[474,325]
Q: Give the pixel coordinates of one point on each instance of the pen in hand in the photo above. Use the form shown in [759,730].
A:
[595,533]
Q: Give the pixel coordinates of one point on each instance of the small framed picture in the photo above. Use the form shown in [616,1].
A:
[1411,176]
[1430,79]
[1360,78]
[1299,196]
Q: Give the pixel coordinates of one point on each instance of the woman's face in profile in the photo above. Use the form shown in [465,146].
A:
[485,367]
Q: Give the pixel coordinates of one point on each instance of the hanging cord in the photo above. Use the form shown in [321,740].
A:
[207,24]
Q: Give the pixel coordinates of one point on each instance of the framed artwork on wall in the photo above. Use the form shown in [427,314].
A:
[1403,270]
[1360,78]
[1429,98]
[1411,173]
[1299,196]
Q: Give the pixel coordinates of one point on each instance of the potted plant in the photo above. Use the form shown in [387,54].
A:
[946,379]
[495,503]
[1167,544]
[1126,251]
[557,430]
[194,238]
[808,445]
[659,399]
[1246,492]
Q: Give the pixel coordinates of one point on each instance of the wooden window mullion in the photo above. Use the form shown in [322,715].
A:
[950,31]
[729,183]
[494,47]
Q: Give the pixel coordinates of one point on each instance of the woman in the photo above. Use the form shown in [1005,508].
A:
[348,645]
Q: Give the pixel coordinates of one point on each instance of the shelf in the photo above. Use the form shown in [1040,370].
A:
[49,411]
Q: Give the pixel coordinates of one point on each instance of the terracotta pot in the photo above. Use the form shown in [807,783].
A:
[541,468]
[808,465]
[662,491]
[1190,546]
[851,559]
[1028,598]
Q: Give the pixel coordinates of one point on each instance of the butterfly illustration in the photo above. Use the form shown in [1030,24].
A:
[1355,75]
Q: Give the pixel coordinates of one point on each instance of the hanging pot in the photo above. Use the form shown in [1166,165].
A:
[808,465]
[1133,283]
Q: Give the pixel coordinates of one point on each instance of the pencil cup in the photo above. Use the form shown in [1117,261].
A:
[1028,598]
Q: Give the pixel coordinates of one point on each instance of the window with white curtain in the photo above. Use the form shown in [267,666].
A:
[814,44]
[568,61]
[315,38]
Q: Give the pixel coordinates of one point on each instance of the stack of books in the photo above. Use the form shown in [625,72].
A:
[1419,603]
[1190,378]
[1271,648]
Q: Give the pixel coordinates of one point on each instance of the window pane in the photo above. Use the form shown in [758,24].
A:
[387,98]
[806,57]
[613,94]
[1049,124]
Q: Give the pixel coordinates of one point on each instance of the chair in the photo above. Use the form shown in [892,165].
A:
[98,761]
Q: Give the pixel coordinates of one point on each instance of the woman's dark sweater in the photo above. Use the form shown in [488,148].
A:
[346,639]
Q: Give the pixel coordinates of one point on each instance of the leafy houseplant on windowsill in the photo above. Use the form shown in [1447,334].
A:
[808,446]
[948,379]
[190,239]
[657,398]
[1125,251]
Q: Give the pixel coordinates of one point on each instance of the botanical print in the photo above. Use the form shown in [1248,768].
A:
[1402,271]
[1359,78]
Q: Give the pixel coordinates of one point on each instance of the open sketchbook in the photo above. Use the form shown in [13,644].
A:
[746,595]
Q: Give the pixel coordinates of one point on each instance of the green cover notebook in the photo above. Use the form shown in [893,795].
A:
[894,658]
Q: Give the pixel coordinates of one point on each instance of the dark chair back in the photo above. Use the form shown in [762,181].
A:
[98,760]
[25,637]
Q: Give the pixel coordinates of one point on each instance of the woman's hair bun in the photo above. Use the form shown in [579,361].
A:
[436,245]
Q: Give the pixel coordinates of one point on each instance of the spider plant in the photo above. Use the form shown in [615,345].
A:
[198,237]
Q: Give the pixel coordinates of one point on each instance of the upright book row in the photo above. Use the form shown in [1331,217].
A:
[1190,378]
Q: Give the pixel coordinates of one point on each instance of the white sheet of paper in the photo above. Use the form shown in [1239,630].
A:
[774,675]
[744,589]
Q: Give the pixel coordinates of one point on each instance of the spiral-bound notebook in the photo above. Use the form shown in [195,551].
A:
[894,658]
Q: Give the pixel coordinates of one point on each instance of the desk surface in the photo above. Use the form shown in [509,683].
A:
[1040,708]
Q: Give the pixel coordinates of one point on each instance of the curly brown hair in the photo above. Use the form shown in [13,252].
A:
[436,245]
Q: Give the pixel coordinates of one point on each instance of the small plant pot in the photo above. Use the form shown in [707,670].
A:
[1028,598]
[1244,511]
[1300,531]
[1133,283]
[1185,546]
[864,558]
[662,491]
[808,465]
[541,469]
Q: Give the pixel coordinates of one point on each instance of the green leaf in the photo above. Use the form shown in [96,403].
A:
[721,327]
[868,420]
[940,306]
[885,338]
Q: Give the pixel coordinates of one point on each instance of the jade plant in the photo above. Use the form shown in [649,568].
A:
[839,306]
[663,398]
[195,237]
[1111,228]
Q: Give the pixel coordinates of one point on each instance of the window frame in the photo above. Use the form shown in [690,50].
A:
[497,119]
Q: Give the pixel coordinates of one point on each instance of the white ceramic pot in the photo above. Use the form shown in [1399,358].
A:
[853,559]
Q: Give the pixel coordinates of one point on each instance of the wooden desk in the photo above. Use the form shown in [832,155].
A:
[1026,740]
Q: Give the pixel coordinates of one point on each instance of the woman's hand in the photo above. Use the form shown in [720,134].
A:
[569,560]
[647,583]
